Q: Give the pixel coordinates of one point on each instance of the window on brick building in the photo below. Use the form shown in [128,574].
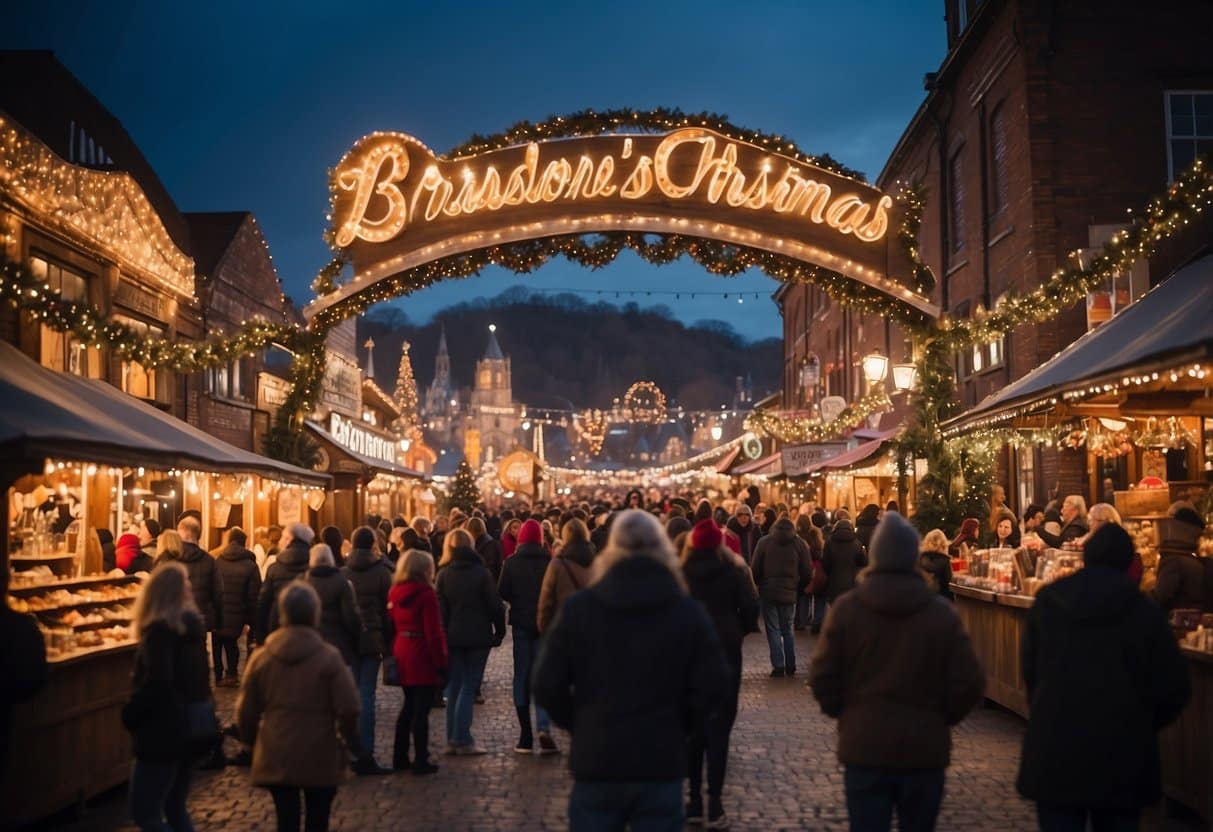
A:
[1189,128]
[999,190]
[1026,476]
[956,200]
[60,350]
[136,379]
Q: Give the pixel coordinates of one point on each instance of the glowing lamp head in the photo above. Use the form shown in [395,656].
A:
[875,367]
[492,327]
[904,376]
[717,432]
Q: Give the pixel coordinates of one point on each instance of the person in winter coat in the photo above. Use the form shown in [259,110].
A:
[144,560]
[720,581]
[782,569]
[841,560]
[1104,676]
[567,572]
[474,619]
[967,538]
[331,536]
[1006,531]
[1181,574]
[149,530]
[631,667]
[297,695]
[602,530]
[509,539]
[22,664]
[934,561]
[106,538]
[290,563]
[865,524]
[487,546]
[205,581]
[340,621]
[746,530]
[895,666]
[170,674]
[520,586]
[241,586]
[368,572]
[125,551]
[421,655]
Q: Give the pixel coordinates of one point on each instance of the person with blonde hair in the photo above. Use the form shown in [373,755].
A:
[297,702]
[171,674]
[420,653]
[474,620]
[632,666]
[568,571]
[933,559]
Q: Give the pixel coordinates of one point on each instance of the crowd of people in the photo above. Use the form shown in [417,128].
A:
[598,595]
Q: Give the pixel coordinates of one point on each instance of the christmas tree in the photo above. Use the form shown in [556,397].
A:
[406,390]
[464,495]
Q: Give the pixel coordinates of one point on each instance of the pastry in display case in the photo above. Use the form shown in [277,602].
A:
[76,616]
[1052,565]
[994,570]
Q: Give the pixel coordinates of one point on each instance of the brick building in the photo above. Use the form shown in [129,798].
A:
[236,283]
[1044,124]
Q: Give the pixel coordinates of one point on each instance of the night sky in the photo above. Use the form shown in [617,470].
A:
[245,106]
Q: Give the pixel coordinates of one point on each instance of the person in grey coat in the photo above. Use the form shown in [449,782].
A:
[370,574]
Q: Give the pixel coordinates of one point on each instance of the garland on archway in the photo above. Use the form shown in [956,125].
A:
[798,429]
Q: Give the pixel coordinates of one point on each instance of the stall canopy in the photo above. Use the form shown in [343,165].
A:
[379,466]
[51,414]
[876,442]
[770,465]
[723,466]
[1170,325]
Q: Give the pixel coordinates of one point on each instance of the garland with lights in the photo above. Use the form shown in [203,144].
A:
[798,429]
[1187,196]
[591,122]
[645,403]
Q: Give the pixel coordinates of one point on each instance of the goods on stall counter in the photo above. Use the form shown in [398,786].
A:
[57,598]
[1145,541]
[65,643]
[1193,628]
[994,570]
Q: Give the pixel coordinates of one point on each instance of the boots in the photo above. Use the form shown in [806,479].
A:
[526,739]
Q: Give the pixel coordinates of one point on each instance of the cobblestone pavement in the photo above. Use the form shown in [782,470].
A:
[783,773]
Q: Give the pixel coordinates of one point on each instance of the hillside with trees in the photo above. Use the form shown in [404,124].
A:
[564,349]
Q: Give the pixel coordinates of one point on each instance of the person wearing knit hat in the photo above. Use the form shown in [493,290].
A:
[1181,574]
[742,524]
[1099,661]
[125,552]
[895,666]
[520,586]
[720,581]
[842,557]
[677,526]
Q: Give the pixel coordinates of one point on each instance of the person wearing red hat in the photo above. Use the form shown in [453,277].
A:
[125,551]
[520,586]
[718,579]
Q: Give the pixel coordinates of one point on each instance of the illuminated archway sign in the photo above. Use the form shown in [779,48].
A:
[397,206]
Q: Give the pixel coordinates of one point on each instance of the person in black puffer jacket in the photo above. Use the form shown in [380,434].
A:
[719,580]
[1104,676]
[631,667]
[488,547]
[865,524]
[340,621]
[782,569]
[842,559]
[241,581]
[204,577]
[170,674]
[474,619]
[290,563]
[521,585]
[371,578]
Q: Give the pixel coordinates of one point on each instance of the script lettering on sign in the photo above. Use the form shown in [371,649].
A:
[351,435]
[396,205]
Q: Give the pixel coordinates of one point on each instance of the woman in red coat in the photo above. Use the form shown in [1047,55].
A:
[420,651]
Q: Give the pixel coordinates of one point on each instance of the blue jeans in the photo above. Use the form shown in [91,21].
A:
[526,653]
[157,796]
[777,619]
[874,793]
[368,681]
[1069,819]
[466,673]
[647,806]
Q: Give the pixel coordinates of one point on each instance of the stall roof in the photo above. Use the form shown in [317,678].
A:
[860,453]
[1169,325]
[757,465]
[378,465]
[52,414]
[729,458]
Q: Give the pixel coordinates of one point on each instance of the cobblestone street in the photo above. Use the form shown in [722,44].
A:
[783,773]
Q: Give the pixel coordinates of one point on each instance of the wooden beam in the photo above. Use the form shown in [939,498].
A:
[1167,403]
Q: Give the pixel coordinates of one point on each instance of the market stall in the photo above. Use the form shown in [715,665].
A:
[77,457]
[1135,395]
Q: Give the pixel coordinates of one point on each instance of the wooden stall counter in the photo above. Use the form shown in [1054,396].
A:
[68,744]
[1186,745]
[995,624]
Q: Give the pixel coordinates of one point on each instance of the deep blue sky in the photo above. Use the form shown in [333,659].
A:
[246,105]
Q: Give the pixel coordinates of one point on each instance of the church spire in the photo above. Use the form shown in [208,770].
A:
[442,363]
[493,351]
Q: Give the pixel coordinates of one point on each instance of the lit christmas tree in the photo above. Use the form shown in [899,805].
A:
[464,494]
[406,390]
